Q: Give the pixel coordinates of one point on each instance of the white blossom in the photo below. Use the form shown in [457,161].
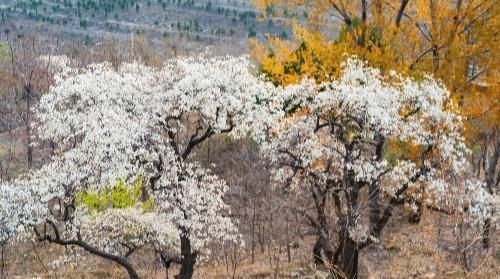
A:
[110,124]
[320,131]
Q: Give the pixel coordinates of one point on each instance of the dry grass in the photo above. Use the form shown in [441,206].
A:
[406,251]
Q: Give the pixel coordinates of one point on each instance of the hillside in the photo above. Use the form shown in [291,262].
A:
[201,22]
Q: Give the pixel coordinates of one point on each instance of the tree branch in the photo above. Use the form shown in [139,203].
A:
[345,16]
[387,213]
[401,11]
[80,243]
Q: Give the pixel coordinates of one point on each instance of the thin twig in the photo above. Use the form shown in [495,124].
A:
[40,259]
[481,265]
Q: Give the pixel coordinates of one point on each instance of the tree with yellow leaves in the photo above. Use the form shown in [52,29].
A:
[452,39]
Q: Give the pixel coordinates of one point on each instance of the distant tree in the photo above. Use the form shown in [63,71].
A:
[83,23]
[197,25]
[283,35]
[34,80]
[252,33]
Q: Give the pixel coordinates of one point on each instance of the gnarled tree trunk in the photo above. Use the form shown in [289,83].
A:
[188,258]
[349,256]
[346,256]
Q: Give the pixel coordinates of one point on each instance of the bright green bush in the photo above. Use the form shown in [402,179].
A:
[119,195]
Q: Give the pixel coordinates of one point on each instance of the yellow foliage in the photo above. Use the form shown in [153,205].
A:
[456,41]
[398,150]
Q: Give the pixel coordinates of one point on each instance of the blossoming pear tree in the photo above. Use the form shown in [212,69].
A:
[363,144]
[122,175]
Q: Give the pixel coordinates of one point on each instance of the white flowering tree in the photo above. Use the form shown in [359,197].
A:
[362,145]
[122,175]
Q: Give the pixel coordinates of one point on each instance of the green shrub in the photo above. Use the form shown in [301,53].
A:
[5,54]
[119,195]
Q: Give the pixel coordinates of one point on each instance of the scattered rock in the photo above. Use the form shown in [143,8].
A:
[321,275]
[429,275]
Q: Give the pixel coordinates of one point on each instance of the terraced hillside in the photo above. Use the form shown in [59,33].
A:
[204,22]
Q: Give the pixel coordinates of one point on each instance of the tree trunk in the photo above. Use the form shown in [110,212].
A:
[349,256]
[253,232]
[435,57]
[188,259]
[29,148]
[491,174]
[318,259]
[323,244]
[167,261]
[433,34]
[486,233]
